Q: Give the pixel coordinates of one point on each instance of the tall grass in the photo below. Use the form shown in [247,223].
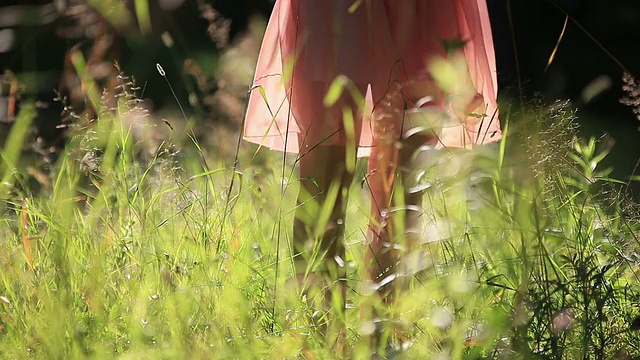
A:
[528,250]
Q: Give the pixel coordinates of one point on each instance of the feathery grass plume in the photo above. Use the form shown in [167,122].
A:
[549,131]
[632,88]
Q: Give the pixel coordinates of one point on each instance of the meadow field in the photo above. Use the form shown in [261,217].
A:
[125,250]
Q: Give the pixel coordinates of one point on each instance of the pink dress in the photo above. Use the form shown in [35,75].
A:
[308,43]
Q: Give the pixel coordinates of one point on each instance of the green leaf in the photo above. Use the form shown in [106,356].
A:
[335,90]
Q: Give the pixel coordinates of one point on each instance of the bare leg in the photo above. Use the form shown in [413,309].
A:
[324,182]
[318,234]
[394,151]
[393,156]
[382,167]
[324,178]
[318,243]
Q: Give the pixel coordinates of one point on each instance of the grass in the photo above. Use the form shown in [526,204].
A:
[529,251]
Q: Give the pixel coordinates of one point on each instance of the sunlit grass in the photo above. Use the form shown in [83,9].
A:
[523,253]
[527,248]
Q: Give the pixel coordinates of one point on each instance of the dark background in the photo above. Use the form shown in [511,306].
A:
[535,27]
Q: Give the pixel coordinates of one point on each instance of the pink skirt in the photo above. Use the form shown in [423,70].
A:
[308,43]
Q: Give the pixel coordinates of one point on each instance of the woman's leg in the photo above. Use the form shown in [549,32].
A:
[324,175]
[325,178]
[324,182]
[382,166]
[395,211]
[393,156]
[318,247]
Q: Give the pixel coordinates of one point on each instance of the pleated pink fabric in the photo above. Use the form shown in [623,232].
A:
[308,43]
